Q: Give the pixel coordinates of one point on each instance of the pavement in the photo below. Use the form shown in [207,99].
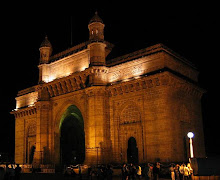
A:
[59,176]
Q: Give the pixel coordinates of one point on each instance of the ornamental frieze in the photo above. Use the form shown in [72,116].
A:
[151,81]
[29,111]
[66,85]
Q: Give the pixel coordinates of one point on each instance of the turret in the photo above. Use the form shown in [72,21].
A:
[97,45]
[45,51]
[96,28]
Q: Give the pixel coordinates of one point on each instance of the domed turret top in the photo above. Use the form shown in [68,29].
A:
[95,18]
[46,43]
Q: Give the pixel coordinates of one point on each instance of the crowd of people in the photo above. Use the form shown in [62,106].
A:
[181,172]
[11,172]
[154,171]
[145,171]
[128,171]
[101,172]
[131,172]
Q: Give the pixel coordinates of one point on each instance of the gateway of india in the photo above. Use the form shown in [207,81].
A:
[87,109]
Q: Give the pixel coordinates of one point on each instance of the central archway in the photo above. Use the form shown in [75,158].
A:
[72,137]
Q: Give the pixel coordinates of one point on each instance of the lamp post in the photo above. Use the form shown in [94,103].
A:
[190,136]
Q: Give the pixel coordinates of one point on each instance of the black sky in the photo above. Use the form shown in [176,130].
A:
[189,29]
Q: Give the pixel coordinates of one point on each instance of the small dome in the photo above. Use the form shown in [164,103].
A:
[95,18]
[46,43]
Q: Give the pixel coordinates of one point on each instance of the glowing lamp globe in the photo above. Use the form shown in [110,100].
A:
[190,134]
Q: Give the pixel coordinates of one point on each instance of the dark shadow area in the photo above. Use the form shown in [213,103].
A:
[72,139]
[132,151]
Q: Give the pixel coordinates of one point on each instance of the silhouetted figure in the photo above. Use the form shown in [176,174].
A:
[11,173]
[17,172]
[109,172]
[2,173]
[156,171]
[132,171]
[6,176]
[80,173]
[124,172]
[177,172]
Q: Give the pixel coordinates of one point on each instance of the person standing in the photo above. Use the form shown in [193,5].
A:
[80,173]
[17,172]
[124,172]
[109,172]
[132,171]
[181,170]
[11,173]
[6,176]
[177,173]
[2,173]
[190,170]
[186,173]
[172,172]
[156,171]
[150,171]
[139,172]
[145,171]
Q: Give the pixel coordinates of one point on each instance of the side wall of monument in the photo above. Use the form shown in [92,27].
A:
[154,110]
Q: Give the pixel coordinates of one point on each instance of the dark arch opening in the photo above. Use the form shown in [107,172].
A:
[132,151]
[72,137]
[31,156]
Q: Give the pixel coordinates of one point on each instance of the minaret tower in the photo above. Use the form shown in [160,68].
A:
[97,48]
[98,141]
[97,45]
[45,53]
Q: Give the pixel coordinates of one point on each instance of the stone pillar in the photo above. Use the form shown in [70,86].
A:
[98,142]
[42,133]
[19,140]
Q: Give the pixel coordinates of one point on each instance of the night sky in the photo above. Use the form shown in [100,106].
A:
[189,29]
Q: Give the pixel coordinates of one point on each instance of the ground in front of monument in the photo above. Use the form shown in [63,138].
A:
[59,176]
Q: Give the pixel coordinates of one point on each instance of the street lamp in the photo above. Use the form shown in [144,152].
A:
[190,136]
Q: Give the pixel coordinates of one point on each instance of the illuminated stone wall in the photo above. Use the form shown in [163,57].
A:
[152,98]
[25,134]
[150,109]
[151,95]
[65,66]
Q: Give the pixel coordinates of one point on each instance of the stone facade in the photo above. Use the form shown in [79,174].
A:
[151,95]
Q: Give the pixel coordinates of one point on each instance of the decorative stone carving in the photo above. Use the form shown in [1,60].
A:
[130,114]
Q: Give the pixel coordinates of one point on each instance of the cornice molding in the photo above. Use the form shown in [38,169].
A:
[27,111]
[152,81]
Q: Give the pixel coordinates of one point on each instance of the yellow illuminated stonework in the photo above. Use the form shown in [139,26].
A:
[100,107]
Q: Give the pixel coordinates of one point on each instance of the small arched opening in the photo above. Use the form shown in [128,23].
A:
[132,151]
[31,155]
